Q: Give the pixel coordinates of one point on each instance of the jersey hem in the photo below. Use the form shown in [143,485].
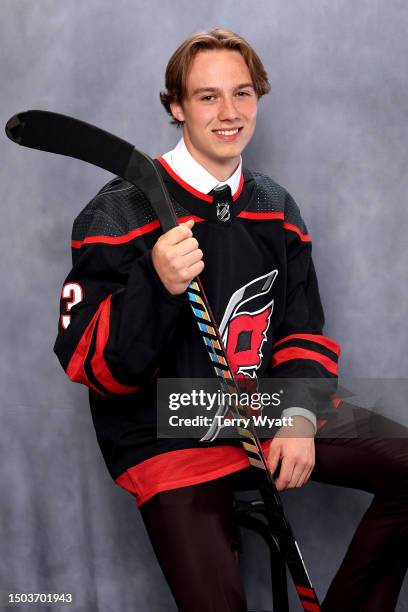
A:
[137,479]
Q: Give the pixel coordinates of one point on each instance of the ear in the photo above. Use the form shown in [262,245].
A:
[177,111]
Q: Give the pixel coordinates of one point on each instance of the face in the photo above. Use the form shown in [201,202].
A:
[219,110]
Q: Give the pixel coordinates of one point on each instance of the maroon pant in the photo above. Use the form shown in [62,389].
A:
[192,528]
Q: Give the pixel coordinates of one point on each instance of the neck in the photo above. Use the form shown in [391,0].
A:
[221,169]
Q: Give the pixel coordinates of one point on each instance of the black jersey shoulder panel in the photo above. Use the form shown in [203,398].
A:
[117,209]
[269,196]
[292,214]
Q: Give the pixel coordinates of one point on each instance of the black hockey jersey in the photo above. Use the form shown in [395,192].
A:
[119,328]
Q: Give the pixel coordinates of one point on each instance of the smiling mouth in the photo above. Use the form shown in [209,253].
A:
[231,132]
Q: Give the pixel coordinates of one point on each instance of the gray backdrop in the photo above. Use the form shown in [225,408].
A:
[333,131]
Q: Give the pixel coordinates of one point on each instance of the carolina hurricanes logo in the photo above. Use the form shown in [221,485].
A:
[245,324]
[243,331]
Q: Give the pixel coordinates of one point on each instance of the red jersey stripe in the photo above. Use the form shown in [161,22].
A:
[292,352]
[98,363]
[190,189]
[186,186]
[75,369]
[336,401]
[240,186]
[188,217]
[244,214]
[255,216]
[294,228]
[332,345]
[145,229]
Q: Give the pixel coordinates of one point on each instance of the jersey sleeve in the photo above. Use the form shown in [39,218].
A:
[301,351]
[116,316]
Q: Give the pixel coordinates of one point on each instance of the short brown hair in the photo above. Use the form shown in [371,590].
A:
[179,63]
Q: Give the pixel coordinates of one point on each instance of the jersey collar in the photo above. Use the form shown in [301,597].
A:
[182,164]
[201,205]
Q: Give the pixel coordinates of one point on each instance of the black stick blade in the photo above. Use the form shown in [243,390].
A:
[14,128]
[65,135]
[56,133]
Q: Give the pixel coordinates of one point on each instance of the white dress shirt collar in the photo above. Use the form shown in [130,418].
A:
[190,171]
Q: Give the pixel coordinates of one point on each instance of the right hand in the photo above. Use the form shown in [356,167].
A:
[295,446]
[177,258]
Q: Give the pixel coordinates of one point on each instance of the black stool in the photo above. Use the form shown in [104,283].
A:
[252,515]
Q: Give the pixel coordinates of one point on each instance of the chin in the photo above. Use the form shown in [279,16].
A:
[230,153]
[230,147]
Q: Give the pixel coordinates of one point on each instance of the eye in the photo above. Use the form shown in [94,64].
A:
[242,94]
[208,98]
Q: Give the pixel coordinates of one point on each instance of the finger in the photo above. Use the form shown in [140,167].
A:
[192,258]
[308,475]
[186,246]
[194,270]
[298,477]
[285,474]
[177,234]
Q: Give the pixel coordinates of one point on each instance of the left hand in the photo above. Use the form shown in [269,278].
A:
[295,446]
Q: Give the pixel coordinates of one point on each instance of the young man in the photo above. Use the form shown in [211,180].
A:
[125,321]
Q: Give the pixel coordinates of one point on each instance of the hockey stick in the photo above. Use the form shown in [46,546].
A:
[64,135]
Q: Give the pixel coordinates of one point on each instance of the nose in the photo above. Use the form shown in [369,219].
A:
[228,110]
